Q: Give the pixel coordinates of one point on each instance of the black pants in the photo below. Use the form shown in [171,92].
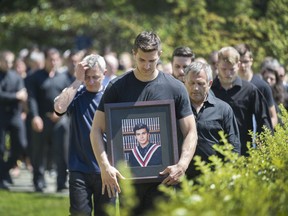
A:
[54,140]
[81,189]
[146,193]
[18,143]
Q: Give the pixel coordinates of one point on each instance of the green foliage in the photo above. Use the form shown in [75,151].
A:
[128,200]
[203,25]
[254,185]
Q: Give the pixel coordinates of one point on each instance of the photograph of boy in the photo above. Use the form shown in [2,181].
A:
[144,153]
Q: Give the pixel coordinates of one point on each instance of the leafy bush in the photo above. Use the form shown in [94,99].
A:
[203,25]
[254,185]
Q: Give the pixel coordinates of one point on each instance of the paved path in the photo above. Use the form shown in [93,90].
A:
[23,183]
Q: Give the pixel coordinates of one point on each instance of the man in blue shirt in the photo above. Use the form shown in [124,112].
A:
[80,100]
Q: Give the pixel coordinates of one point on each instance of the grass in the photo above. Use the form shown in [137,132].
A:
[32,204]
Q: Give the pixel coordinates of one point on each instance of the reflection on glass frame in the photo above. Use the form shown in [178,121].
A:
[142,134]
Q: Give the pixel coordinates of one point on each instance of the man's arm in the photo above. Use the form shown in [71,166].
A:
[261,111]
[273,115]
[109,174]
[33,88]
[62,101]
[188,129]
[231,130]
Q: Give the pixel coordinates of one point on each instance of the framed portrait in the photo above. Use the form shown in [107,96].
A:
[143,135]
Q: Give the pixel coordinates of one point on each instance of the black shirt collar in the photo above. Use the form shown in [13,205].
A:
[236,82]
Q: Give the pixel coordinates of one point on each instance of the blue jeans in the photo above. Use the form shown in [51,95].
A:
[82,187]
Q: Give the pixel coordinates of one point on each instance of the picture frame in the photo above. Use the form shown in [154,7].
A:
[159,117]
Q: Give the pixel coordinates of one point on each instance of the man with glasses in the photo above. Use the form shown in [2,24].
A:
[246,73]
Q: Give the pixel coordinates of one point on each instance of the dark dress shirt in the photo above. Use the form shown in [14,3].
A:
[245,100]
[215,115]
[10,106]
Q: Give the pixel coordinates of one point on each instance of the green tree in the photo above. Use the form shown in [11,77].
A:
[203,25]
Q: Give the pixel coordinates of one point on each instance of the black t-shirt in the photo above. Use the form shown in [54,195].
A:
[127,88]
[264,88]
[43,89]
[10,106]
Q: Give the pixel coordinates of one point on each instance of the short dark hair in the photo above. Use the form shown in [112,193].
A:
[51,51]
[147,42]
[140,126]
[243,49]
[183,51]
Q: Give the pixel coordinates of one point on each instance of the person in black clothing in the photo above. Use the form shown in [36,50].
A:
[244,97]
[12,96]
[270,75]
[145,153]
[145,83]
[282,74]
[213,61]
[246,73]
[50,132]
[212,114]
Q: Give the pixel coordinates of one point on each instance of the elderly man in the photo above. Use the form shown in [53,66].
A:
[80,100]
[212,114]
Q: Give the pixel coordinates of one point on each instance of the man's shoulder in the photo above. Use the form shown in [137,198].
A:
[13,74]
[122,77]
[155,144]
[38,74]
[257,80]
[155,147]
[169,77]
[220,104]
[167,81]
[248,86]
[39,71]
[259,83]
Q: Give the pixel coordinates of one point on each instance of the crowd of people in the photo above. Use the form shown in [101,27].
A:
[38,137]
[53,117]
